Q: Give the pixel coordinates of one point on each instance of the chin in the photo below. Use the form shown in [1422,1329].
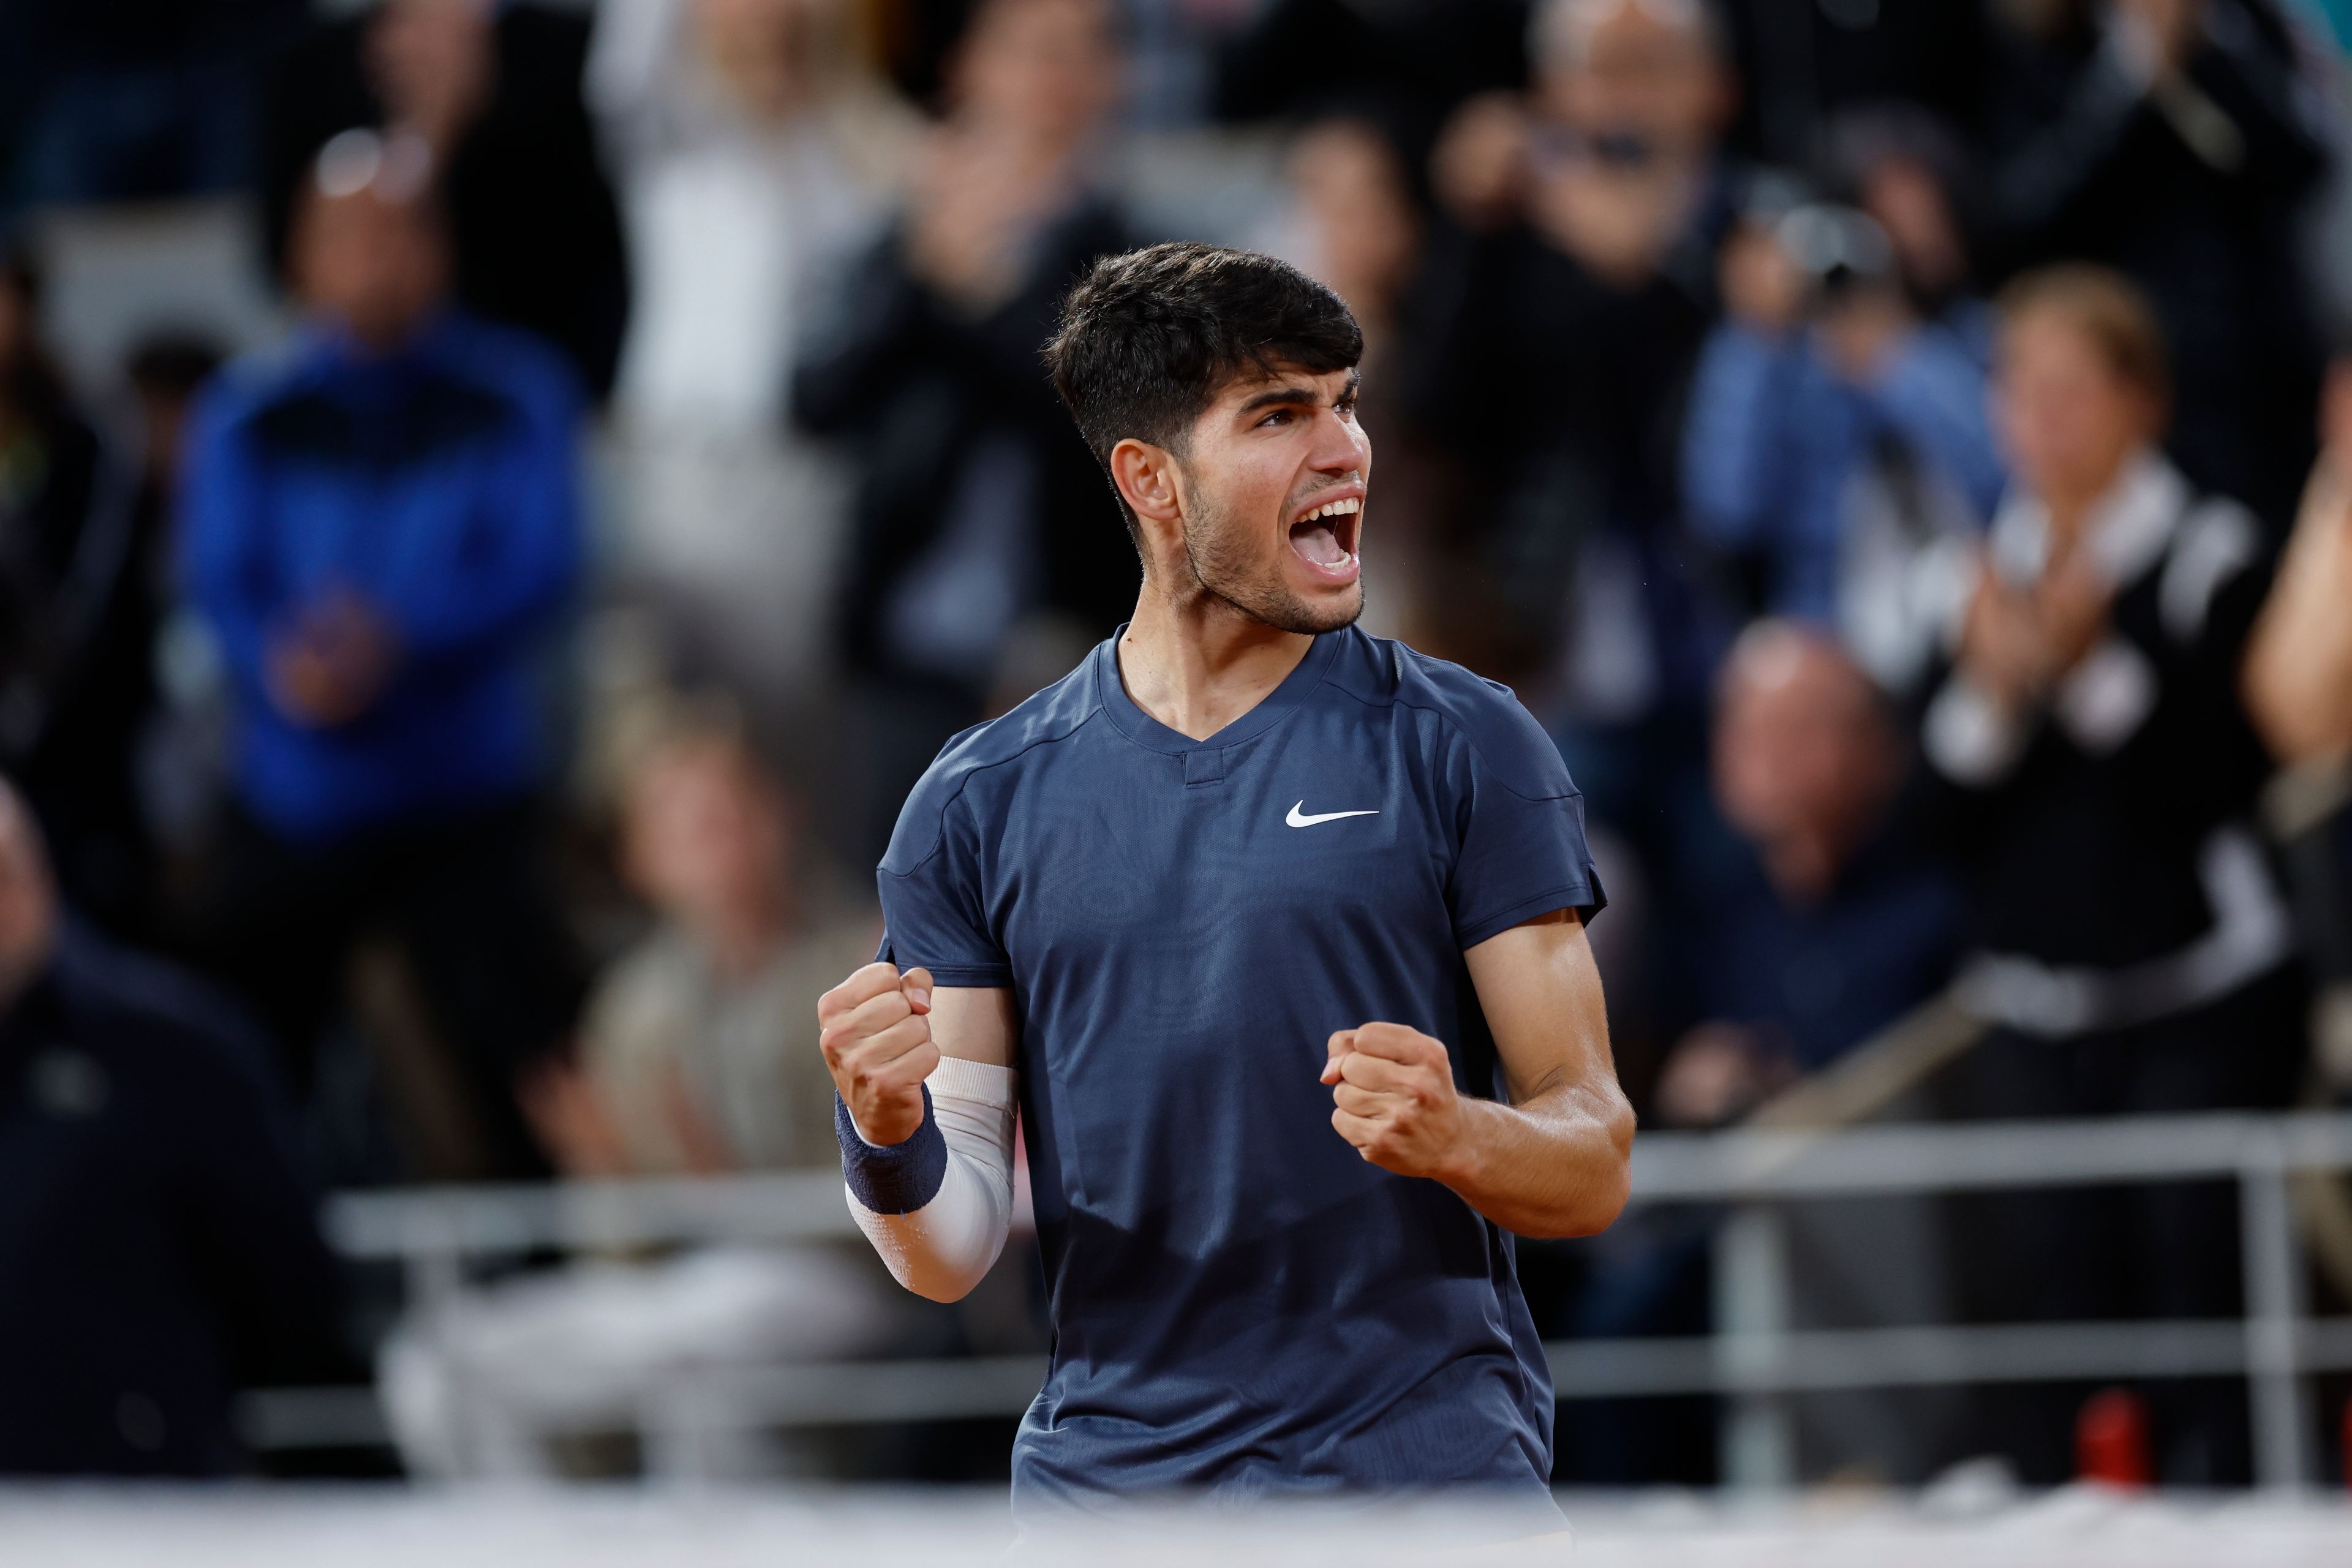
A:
[1343,611]
[1312,614]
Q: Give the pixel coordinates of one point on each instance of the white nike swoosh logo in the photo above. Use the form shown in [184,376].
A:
[1300,819]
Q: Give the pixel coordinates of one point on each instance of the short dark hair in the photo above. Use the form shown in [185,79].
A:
[1148,339]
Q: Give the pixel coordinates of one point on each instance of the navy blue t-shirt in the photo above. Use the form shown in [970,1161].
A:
[1239,1300]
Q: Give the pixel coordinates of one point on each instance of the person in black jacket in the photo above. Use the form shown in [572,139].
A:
[495,92]
[2132,953]
[979,514]
[158,1246]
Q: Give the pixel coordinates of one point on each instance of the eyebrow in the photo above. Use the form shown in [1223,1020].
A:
[1294,393]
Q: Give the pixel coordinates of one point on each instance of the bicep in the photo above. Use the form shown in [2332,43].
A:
[976,1023]
[1541,992]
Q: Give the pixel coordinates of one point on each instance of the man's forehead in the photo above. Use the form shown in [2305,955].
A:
[1253,381]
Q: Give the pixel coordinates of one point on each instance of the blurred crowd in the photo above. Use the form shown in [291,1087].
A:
[1901,449]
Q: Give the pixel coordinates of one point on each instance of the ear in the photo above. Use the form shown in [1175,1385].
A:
[1146,478]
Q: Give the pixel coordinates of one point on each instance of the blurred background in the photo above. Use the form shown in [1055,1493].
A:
[499,502]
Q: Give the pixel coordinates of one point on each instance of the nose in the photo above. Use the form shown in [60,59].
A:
[1341,446]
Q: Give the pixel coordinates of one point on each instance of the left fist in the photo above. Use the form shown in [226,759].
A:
[1393,1097]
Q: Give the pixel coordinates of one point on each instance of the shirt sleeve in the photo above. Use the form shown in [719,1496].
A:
[934,908]
[1735,445]
[1521,820]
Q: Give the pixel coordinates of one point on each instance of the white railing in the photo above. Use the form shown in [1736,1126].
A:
[1754,1357]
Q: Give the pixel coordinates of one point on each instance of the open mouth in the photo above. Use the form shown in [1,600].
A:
[1325,535]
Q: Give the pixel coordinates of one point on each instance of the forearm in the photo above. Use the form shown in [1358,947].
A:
[1553,1166]
[942,1234]
[2298,665]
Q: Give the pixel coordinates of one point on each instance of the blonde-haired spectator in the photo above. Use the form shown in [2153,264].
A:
[2132,948]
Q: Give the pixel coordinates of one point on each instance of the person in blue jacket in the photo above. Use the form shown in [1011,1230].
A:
[1836,436]
[1804,387]
[379,523]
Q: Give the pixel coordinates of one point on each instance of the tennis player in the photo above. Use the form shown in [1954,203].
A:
[1273,932]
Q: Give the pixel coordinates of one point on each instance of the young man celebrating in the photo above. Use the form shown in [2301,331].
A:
[1275,932]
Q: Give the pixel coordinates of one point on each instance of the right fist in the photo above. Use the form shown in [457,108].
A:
[877,1039]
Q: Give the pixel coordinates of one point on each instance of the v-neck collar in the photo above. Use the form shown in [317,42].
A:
[2127,530]
[1110,690]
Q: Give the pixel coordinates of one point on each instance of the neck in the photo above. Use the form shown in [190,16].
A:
[376,341]
[1805,860]
[2067,515]
[2071,510]
[1801,866]
[1196,664]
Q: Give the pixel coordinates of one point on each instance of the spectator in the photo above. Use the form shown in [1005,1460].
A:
[2132,949]
[159,1237]
[377,524]
[1842,925]
[753,156]
[1837,925]
[2168,139]
[1836,430]
[695,1053]
[1577,273]
[67,547]
[493,92]
[698,1056]
[977,506]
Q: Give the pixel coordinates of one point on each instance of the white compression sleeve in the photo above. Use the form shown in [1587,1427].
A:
[942,1249]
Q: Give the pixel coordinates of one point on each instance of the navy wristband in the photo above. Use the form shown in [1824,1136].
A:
[899,1178]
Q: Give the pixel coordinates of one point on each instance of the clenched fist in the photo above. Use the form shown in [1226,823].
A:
[1393,1097]
[876,1039]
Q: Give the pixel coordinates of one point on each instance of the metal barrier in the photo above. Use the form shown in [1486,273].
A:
[1754,1358]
